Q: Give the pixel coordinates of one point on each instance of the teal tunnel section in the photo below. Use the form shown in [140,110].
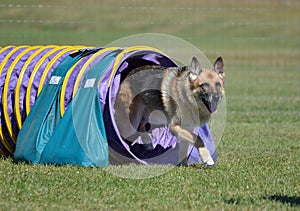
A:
[25,71]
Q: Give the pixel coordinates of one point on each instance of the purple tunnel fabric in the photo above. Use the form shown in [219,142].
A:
[166,150]
[166,147]
[74,75]
[25,81]
[4,69]
[37,78]
[12,82]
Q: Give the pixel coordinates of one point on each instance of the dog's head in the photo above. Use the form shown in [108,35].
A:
[207,86]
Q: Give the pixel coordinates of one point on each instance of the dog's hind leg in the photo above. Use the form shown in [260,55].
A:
[189,137]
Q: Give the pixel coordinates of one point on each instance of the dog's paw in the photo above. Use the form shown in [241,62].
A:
[209,162]
[205,156]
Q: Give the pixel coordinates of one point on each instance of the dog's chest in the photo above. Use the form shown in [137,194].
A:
[189,119]
[192,118]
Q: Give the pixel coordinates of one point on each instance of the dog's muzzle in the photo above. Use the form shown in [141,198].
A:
[211,101]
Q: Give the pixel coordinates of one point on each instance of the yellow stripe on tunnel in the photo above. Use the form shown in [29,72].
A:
[5,142]
[1,152]
[5,90]
[76,85]
[4,49]
[19,83]
[2,65]
[127,50]
[52,62]
[64,87]
[32,76]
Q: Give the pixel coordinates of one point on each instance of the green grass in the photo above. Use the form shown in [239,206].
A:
[255,177]
[258,158]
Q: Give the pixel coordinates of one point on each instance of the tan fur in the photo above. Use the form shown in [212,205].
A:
[187,97]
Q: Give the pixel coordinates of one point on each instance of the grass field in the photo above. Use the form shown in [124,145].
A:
[258,158]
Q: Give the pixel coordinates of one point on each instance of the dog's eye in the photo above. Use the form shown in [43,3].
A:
[218,84]
[204,85]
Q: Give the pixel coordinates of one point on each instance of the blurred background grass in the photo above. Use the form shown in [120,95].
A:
[260,43]
[259,40]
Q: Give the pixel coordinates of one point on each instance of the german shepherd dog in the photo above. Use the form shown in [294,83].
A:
[186,96]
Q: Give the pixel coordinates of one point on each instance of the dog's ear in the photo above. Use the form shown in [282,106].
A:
[219,67]
[195,69]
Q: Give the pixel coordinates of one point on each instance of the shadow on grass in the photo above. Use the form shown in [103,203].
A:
[235,201]
[291,200]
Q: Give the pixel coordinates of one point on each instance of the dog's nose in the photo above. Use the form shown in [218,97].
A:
[215,97]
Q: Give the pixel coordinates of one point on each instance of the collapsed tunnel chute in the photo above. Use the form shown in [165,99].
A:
[26,71]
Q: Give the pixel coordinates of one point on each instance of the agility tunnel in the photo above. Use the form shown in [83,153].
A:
[57,107]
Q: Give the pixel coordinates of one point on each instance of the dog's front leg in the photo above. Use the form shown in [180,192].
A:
[190,137]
